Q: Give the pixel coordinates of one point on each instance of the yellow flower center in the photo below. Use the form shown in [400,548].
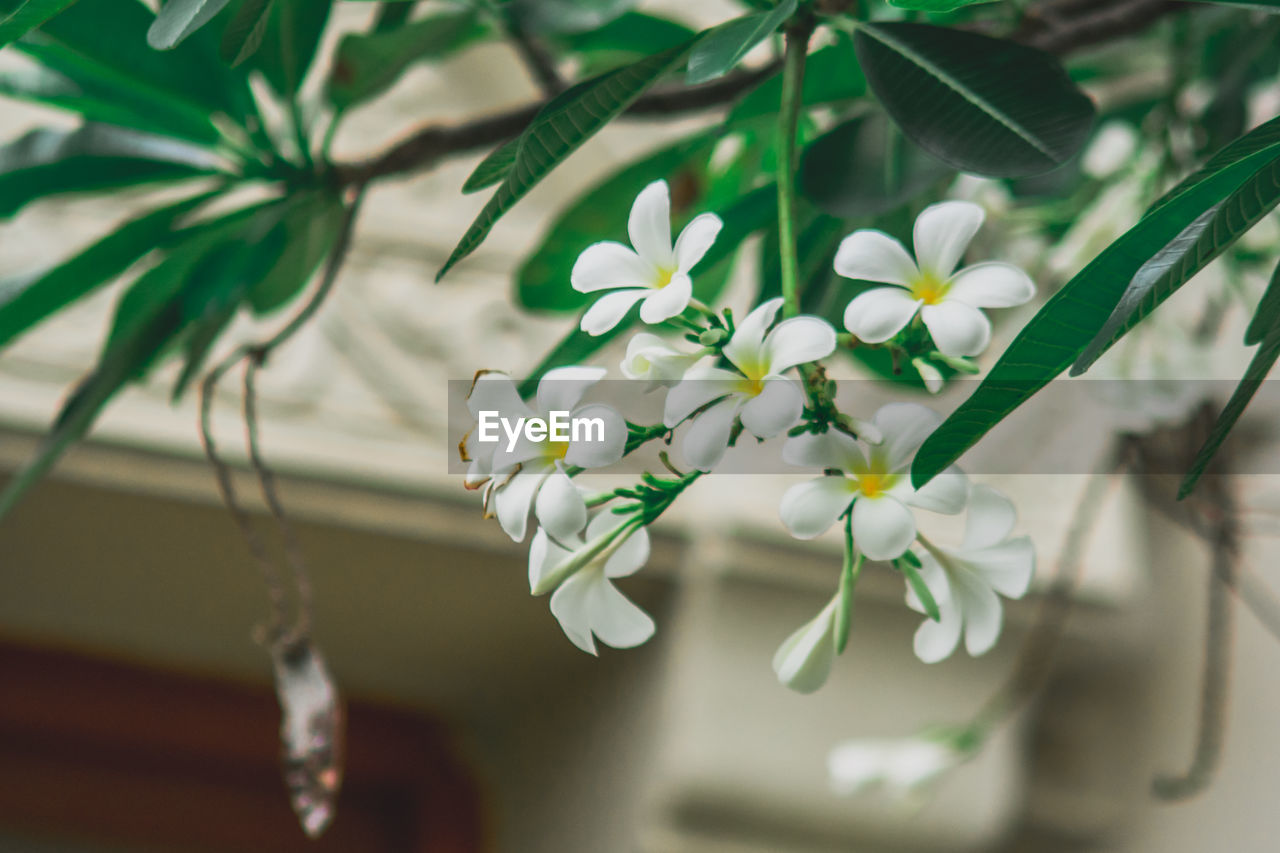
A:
[750,386]
[554,450]
[874,480]
[929,288]
[663,279]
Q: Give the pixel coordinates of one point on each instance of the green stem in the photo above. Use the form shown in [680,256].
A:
[848,579]
[300,133]
[797,41]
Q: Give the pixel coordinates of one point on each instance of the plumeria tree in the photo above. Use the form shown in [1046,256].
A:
[895,174]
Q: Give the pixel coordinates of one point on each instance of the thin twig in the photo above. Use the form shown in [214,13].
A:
[539,61]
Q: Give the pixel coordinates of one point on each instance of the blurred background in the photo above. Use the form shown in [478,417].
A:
[136,711]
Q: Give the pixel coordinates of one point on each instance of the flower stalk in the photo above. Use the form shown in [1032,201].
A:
[797,48]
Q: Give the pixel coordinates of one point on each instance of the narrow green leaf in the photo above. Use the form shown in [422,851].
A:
[1255,374]
[367,64]
[558,130]
[310,226]
[493,168]
[178,19]
[723,47]
[243,35]
[293,32]
[46,162]
[1058,333]
[978,103]
[633,35]
[27,17]
[23,307]
[1264,137]
[1267,316]
[865,167]
[921,589]
[832,75]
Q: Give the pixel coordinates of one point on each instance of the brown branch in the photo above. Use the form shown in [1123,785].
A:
[1062,27]
[537,59]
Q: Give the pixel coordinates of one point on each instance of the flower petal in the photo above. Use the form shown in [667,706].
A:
[878,314]
[512,501]
[870,255]
[707,437]
[855,765]
[983,615]
[746,348]
[602,439]
[803,661]
[776,407]
[935,641]
[571,606]
[992,285]
[882,527]
[904,426]
[700,386]
[957,328]
[562,388]
[831,449]
[666,302]
[609,310]
[630,557]
[544,555]
[1007,567]
[809,509]
[945,493]
[608,265]
[650,225]
[495,392]
[797,341]
[991,518]
[695,239]
[615,619]
[560,508]
[942,232]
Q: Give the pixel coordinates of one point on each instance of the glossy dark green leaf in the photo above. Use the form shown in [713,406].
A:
[558,130]
[23,307]
[832,75]
[178,19]
[978,103]
[27,17]
[493,168]
[1059,332]
[310,226]
[1255,374]
[293,32]
[1266,318]
[720,49]
[542,282]
[567,16]
[367,64]
[865,167]
[245,31]
[95,157]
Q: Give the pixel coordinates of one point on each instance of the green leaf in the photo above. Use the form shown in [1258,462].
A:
[493,168]
[23,307]
[367,64]
[936,5]
[1058,333]
[723,47]
[633,35]
[978,103]
[832,74]
[558,130]
[865,167]
[27,17]
[310,226]
[602,210]
[178,19]
[1263,360]
[289,44]
[1267,316]
[1264,137]
[244,33]
[920,588]
[567,16]
[95,157]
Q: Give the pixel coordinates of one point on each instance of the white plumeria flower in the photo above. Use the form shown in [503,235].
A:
[531,473]
[964,581]
[654,271]
[948,301]
[587,604]
[877,484]
[904,766]
[758,393]
[491,391]
[803,661]
[651,358]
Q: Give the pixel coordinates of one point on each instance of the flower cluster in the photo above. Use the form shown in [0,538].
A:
[759,376]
